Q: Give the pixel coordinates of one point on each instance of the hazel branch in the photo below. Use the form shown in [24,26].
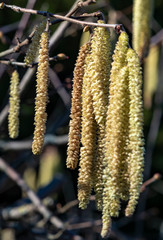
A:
[64,18]
[150,181]
[18,46]
[22,64]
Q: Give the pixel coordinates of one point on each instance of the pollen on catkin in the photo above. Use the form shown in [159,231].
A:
[88,140]
[33,49]
[41,94]
[99,71]
[136,139]
[141,26]
[113,162]
[76,109]
[14,106]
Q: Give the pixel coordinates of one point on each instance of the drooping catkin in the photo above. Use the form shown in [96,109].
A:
[14,106]
[76,109]
[41,94]
[88,140]
[136,140]
[141,26]
[151,65]
[99,71]
[113,162]
[33,49]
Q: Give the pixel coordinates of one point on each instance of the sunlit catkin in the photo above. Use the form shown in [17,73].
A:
[14,105]
[99,71]
[141,26]
[88,140]
[115,123]
[41,95]
[76,109]
[34,46]
[136,140]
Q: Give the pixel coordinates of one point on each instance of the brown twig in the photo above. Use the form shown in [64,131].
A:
[22,64]
[32,196]
[18,46]
[23,22]
[71,204]
[150,181]
[64,18]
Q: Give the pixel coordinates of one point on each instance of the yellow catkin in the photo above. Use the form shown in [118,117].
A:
[88,140]
[141,26]
[41,94]
[99,72]
[33,49]
[136,140]
[76,109]
[14,106]
[151,65]
[114,125]
[106,222]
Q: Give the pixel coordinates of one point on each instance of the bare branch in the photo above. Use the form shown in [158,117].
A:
[150,181]
[64,18]
[32,196]
[26,144]
[18,46]
[22,64]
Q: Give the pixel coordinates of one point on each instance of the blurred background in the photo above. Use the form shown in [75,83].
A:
[47,175]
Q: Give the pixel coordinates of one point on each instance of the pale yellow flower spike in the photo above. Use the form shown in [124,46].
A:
[99,74]
[41,94]
[33,49]
[14,106]
[88,140]
[114,146]
[100,71]
[76,109]
[136,140]
[141,26]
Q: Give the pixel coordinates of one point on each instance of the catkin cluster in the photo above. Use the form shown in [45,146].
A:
[14,106]
[109,115]
[41,94]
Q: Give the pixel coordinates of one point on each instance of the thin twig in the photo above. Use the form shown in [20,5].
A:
[71,204]
[22,64]
[27,144]
[150,181]
[18,46]
[23,22]
[64,18]
[22,210]
[59,88]
[32,196]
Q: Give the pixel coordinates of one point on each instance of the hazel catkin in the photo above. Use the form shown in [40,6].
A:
[76,109]
[114,126]
[99,70]
[136,138]
[141,26]
[14,106]
[41,95]
[88,140]
[33,49]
